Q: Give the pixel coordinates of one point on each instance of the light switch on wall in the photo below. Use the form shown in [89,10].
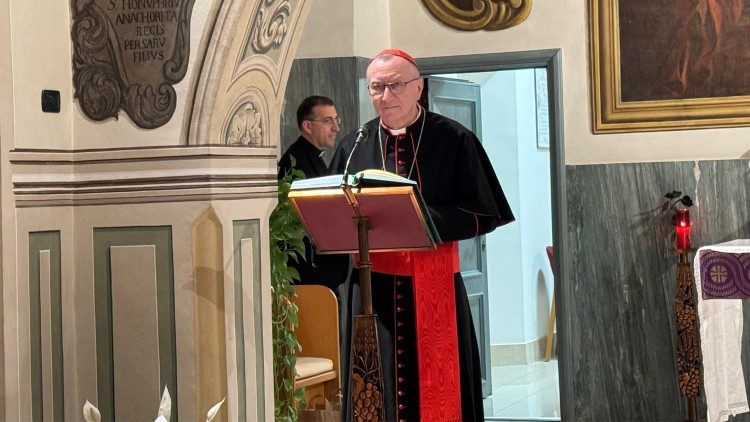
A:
[50,101]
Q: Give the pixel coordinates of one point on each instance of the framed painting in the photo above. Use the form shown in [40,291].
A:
[669,64]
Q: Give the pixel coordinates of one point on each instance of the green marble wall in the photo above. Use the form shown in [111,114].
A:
[335,78]
[621,279]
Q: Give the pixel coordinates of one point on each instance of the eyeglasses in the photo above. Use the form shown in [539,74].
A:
[378,88]
[328,121]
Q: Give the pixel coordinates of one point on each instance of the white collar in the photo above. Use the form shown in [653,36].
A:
[401,131]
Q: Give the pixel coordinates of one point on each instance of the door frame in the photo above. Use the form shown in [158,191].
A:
[552,61]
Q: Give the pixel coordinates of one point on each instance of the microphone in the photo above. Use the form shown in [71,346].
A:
[362,133]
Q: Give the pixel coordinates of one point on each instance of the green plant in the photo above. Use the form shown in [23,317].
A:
[286,242]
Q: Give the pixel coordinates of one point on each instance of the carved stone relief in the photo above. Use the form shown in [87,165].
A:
[247,121]
[246,126]
[127,54]
[240,90]
[473,15]
[271,25]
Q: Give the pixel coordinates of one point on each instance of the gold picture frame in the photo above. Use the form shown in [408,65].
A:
[634,89]
[474,15]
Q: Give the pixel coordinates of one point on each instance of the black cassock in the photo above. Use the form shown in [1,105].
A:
[464,199]
[328,270]
[308,159]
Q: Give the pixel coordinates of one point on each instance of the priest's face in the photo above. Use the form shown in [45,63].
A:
[396,109]
[321,128]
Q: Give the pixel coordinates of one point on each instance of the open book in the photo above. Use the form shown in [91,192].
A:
[365,178]
[397,213]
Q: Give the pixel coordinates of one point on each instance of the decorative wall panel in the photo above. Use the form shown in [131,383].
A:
[127,55]
[112,282]
[210,329]
[248,317]
[135,321]
[45,299]
[473,15]
[138,175]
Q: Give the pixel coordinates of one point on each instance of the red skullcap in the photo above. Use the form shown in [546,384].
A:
[396,52]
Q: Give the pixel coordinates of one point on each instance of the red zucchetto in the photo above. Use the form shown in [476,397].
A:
[396,52]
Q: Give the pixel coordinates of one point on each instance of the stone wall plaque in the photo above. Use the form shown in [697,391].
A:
[127,54]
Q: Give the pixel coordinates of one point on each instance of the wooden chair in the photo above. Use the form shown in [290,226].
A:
[551,318]
[317,366]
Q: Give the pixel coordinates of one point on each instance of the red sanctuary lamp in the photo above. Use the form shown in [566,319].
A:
[682,228]
[688,354]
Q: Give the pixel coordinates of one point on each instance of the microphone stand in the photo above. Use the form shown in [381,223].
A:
[366,393]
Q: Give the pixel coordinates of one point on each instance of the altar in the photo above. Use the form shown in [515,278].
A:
[722,280]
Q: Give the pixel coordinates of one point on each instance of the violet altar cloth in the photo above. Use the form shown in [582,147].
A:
[722,280]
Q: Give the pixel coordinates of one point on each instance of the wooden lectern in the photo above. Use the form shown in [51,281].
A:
[371,211]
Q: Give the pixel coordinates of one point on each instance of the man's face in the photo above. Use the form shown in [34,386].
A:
[322,127]
[395,110]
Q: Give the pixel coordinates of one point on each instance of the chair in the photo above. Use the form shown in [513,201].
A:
[551,318]
[317,369]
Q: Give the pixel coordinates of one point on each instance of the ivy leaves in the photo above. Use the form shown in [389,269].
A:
[286,242]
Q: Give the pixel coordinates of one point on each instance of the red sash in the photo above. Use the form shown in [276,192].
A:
[437,335]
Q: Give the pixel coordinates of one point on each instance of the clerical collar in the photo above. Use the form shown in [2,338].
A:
[423,114]
[313,147]
[402,130]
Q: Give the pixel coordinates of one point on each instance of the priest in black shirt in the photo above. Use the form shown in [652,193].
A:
[429,350]
[318,124]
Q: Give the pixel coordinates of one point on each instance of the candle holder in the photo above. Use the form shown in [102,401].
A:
[688,337]
[688,353]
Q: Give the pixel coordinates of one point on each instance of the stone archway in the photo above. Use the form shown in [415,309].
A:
[240,79]
[244,68]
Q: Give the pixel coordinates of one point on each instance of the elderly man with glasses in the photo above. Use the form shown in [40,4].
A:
[429,350]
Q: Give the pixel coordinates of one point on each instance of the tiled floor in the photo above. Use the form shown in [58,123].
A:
[524,392]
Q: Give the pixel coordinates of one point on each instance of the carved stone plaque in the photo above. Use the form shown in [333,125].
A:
[473,15]
[127,54]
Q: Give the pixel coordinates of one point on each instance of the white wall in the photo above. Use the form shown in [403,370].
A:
[535,212]
[520,279]
[35,31]
[42,48]
[564,25]
[504,256]
[43,35]
[345,28]
[372,27]
[329,30]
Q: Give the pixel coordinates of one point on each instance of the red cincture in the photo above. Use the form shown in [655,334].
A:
[437,334]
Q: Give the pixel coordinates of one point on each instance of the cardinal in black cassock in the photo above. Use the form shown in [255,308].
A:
[426,335]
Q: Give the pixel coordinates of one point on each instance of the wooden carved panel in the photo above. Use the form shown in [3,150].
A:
[127,54]
[473,15]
